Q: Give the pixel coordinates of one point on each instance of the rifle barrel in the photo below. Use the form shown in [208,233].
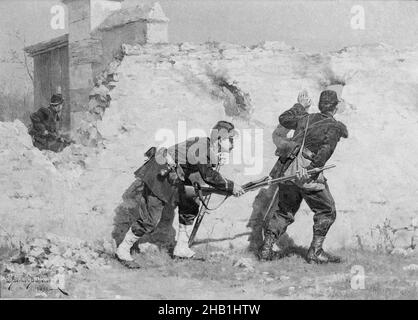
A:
[190,191]
[282,179]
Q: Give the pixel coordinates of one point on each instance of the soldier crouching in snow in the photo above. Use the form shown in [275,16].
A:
[317,136]
[163,178]
[45,123]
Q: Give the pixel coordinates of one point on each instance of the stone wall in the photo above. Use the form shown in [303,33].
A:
[97,29]
[83,52]
[165,87]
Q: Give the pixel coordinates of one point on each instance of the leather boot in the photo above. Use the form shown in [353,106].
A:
[182,249]
[266,251]
[317,255]
[123,252]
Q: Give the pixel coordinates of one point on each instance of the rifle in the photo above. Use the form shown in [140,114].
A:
[204,193]
[202,210]
[198,191]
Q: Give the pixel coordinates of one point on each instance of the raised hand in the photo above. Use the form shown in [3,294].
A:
[304,99]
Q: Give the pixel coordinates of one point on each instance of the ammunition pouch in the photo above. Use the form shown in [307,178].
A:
[289,165]
[284,162]
[308,154]
[317,182]
[170,170]
[155,177]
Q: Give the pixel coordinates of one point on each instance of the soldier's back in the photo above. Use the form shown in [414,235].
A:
[323,129]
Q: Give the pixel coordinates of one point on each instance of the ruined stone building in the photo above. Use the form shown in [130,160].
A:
[97,29]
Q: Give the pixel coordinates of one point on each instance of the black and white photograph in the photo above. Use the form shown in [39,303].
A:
[222,152]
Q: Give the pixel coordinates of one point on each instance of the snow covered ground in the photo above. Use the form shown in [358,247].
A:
[163,88]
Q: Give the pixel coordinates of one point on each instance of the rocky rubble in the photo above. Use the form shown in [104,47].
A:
[86,131]
[41,260]
[245,263]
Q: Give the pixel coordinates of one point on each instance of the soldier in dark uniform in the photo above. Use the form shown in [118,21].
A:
[162,179]
[45,125]
[322,137]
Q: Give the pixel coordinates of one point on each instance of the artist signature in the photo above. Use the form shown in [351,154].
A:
[55,282]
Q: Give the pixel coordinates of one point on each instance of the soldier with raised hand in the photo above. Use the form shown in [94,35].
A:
[162,179]
[284,144]
[45,125]
[319,134]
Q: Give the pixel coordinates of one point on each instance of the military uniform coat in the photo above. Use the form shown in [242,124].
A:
[322,137]
[45,119]
[193,156]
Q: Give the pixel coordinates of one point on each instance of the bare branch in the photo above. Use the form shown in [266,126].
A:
[28,71]
[26,61]
[15,56]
